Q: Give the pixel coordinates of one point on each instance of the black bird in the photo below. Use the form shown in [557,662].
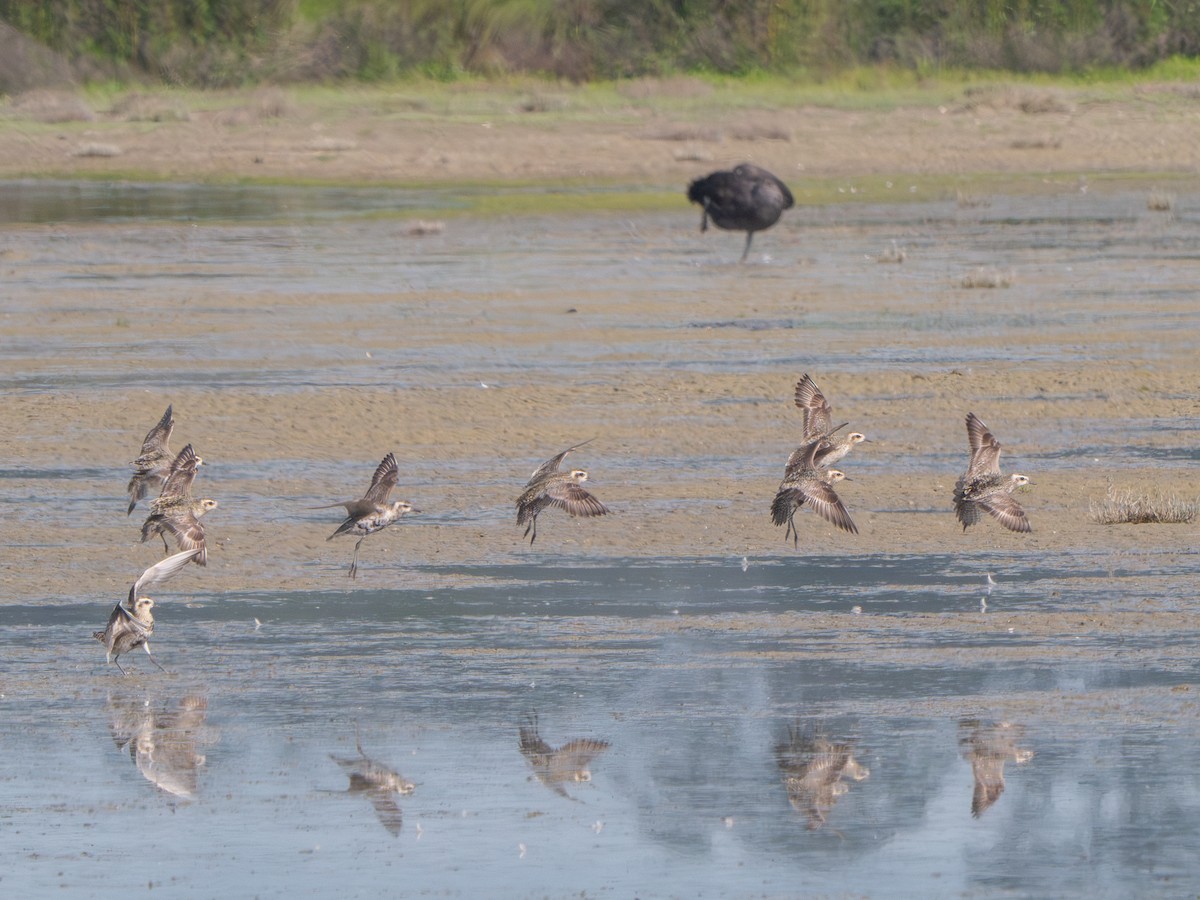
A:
[748,199]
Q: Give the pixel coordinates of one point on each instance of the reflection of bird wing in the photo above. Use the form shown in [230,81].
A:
[574,499]
[382,482]
[163,570]
[817,412]
[552,464]
[989,782]
[574,757]
[985,449]
[387,810]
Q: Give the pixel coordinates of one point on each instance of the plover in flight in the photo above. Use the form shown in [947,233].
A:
[131,625]
[176,512]
[550,487]
[804,483]
[818,423]
[153,466]
[748,198]
[982,487]
[554,766]
[373,512]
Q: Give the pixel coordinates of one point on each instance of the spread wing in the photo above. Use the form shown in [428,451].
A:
[826,503]
[158,436]
[818,415]
[985,449]
[183,473]
[382,482]
[574,499]
[1007,511]
[160,572]
[552,464]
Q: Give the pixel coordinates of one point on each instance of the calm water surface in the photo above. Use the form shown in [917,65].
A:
[763,738]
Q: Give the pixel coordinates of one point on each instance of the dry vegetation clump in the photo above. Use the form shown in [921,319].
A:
[1160,201]
[893,254]
[1125,507]
[986,277]
[138,107]
[686,133]
[102,151]
[971,201]
[53,107]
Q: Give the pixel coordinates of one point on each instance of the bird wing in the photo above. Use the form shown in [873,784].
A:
[383,481]
[552,464]
[188,532]
[805,457]
[575,500]
[826,503]
[161,571]
[157,437]
[767,186]
[183,473]
[985,449]
[818,415]
[1007,511]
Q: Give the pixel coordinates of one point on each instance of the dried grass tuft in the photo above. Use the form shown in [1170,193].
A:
[1160,201]
[986,277]
[1124,507]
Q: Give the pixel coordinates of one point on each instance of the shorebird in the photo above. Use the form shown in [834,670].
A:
[982,487]
[987,748]
[818,423]
[130,624]
[748,198]
[373,512]
[814,769]
[175,511]
[547,486]
[379,783]
[553,766]
[805,483]
[153,466]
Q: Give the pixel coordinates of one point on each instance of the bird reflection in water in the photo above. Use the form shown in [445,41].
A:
[814,770]
[163,742]
[378,783]
[555,766]
[987,747]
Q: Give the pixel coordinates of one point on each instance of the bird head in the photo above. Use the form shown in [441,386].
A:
[579,475]
[1020,480]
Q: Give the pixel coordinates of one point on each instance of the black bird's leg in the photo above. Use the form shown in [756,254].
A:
[746,252]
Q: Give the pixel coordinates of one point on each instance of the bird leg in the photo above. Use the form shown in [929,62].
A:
[151,655]
[704,220]
[792,530]
[354,562]
[746,252]
[117,663]
[533,525]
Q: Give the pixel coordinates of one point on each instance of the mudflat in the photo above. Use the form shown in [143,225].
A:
[466,447]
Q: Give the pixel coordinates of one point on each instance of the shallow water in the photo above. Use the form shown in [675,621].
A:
[714,681]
